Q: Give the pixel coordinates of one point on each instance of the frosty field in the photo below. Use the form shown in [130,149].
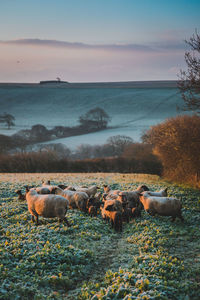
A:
[132,107]
[152,258]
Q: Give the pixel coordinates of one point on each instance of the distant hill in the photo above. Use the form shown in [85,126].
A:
[133,106]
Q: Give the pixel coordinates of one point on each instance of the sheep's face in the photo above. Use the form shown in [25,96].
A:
[104,196]
[90,202]
[142,196]
[62,186]
[106,188]
[142,188]
[122,197]
[18,192]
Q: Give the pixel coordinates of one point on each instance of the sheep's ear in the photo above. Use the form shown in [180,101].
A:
[166,189]
[27,188]
[49,182]
[140,194]
[105,185]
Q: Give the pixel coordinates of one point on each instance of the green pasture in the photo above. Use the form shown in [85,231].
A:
[152,258]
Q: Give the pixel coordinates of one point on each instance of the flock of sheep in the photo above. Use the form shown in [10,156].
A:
[116,206]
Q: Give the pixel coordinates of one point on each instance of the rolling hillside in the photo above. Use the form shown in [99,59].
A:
[133,106]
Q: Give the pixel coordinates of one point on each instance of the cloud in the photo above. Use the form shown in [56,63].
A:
[154,47]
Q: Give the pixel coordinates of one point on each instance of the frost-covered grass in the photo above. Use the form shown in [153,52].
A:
[152,259]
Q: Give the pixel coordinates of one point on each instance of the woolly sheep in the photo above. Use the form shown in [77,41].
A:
[48,185]
[164,206]
[115,218]
[47,206]
[161,193]
[76,199]
[91,191]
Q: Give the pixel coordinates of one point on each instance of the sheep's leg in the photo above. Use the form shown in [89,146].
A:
[112,223]
[32,218]
[37,222]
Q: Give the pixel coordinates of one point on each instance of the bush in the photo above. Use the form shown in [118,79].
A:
[177,142]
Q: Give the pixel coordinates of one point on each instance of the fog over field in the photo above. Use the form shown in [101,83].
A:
[132,106]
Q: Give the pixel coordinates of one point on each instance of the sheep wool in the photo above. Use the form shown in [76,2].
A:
[47,206]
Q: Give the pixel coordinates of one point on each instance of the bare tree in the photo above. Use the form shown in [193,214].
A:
[119,143]
[189,83]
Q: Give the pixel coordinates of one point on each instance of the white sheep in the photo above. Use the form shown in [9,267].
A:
[164,206]
[48,186]
[132,197]
[161,193]
[47,206]
[76,199]
[91,191]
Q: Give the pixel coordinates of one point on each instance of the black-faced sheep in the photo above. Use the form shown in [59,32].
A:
[47,206]
[164,206]
[20,195]
[115,218]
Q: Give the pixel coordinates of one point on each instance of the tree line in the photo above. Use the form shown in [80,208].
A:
[94,120]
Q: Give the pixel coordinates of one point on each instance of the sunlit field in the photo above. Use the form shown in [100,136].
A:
[152,258]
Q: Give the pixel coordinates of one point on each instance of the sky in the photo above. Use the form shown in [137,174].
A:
[95,40]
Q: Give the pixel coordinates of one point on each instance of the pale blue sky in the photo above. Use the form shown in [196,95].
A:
[157,27]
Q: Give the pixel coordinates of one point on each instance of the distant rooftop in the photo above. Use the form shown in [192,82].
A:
[53,82]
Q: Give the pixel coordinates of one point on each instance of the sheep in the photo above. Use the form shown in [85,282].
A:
[95,201]
[48,186]
[76,199]
[132,197]
[20,195]
[47,206]
[107,190]
[113,205]
[161,193]
[91,191]
[164,206]
[110,205]
[115,218]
